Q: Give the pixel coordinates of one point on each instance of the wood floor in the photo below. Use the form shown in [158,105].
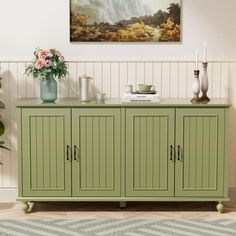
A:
[112,211]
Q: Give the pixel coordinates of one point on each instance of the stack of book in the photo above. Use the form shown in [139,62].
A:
[138,97]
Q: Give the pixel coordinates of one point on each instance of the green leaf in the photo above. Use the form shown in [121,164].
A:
[2,128]
[2,142]
[2,106]
[6,148]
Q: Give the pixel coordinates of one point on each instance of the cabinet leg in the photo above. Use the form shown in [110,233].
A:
[220,207]
[25,207]
[31,207]
[122,204]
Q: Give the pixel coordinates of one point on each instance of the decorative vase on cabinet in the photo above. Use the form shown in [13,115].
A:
[47,65]
[48,89]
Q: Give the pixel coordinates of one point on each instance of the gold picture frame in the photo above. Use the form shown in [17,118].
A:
[138,21]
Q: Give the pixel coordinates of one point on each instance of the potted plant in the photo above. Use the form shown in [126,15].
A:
[2,130]
[48,65]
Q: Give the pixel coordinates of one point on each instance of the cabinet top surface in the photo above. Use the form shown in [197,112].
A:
[116,102]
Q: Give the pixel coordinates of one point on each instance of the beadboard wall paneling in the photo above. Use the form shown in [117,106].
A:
[172,79]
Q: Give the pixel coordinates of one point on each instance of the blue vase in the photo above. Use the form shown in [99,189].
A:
[48,89]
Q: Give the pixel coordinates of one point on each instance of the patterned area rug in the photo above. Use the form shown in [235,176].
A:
[118,227]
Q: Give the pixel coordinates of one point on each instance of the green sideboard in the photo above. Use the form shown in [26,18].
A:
[114,151]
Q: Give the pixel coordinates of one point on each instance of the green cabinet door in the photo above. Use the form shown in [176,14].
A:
[149,168]
[200,134]
[46,172]
[96,152]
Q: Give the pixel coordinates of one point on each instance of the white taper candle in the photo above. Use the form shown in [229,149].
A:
[196,64]
[205,49]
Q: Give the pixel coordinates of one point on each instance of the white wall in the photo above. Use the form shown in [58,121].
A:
[26,24]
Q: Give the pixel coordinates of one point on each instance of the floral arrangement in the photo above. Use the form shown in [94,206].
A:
[47,63]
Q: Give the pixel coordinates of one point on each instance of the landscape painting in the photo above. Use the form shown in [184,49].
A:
[125,20]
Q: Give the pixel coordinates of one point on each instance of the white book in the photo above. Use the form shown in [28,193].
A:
[140,94]
[141,98]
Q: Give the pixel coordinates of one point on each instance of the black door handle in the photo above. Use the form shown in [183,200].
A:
[178,153]
[171,152]
[75,152]
[67,152]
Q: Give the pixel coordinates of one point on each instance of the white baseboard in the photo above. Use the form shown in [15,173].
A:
[8,195]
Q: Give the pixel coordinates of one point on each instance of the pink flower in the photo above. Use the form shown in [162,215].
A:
[39,64]
[61,58]
[42,54]
[48,63]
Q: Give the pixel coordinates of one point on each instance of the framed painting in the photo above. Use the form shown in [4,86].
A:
[125,20]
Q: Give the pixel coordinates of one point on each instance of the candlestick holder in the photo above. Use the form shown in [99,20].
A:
[204,84]
[196,87]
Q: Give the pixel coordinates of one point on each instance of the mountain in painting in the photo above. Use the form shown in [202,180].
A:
[111,11]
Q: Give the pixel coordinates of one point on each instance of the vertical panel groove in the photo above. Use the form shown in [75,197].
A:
[36,154]
[186,79]
[220,78]
[229,84]
[139,147]
[212,77]
[153,72]
[43,155]
[170,84]
[92,147]
[146,160]
[127,81]
[110,77]
[209,153]
[56,150]
[102,65]
[189,154]
[86,154]
[202,147]
[50,177]
[159,153]
[99,157]
[153,152]
[9,122]
[119,79]
[161,80]
[195,159]
[106,153]
[178,79]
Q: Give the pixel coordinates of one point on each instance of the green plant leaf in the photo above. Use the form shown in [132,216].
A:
[2,106]
[6,148]
[2,128]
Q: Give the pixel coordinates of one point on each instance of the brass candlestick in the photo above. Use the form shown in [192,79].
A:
[196,87]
